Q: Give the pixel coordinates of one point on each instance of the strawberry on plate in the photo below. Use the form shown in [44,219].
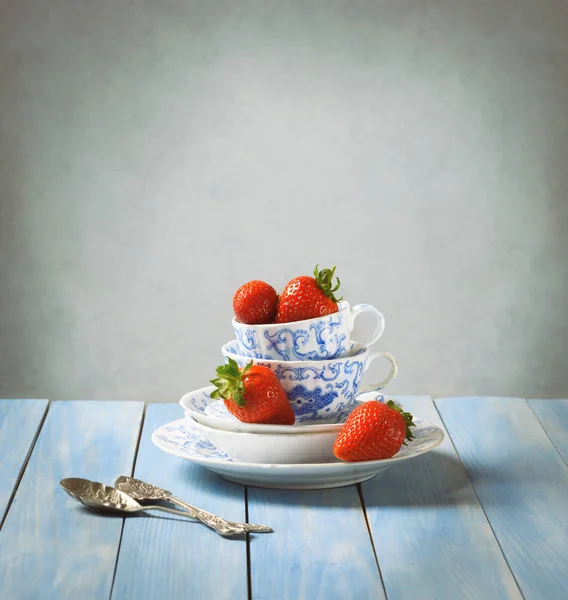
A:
[253,394]
[254,303]
[373,431]
[307,297]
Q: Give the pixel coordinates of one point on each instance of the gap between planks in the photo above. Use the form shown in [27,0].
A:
[24,465]
[249,570]
[131,475]
[370,532]
[546,432]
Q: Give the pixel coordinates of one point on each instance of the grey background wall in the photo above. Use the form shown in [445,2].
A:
[156,155]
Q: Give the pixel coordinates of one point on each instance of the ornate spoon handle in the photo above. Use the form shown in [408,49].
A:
[142,491]
[214,521]
[226,531]
[171,511]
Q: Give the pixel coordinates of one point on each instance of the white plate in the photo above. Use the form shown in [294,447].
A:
[210,412]
[180,439]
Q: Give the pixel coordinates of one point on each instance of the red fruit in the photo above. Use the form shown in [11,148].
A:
[373,431]
[254,303]
[253,394]
[308,297]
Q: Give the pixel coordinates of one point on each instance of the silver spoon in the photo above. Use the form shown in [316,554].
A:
[103,497]
[140,490]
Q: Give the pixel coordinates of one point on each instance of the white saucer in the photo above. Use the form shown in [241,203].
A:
[210,412]
[180,439]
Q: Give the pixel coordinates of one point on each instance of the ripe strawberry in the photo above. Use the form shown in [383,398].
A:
[372,431]
[253,394]
[254,303]
[308,297]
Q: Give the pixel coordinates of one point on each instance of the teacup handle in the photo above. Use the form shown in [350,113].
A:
[394,370]
[379,325]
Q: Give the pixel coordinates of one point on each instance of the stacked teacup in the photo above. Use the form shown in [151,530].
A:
[321,370]
[319,366]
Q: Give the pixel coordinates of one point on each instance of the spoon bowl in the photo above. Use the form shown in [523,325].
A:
[97,495]
[103,497]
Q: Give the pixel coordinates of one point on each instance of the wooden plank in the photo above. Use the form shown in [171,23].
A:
[431,535]
[19,424]
[321,547]
[553,416]
[522,483]
[177,558]
[51,546]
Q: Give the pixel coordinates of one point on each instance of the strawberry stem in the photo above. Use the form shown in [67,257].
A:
[324,279]
[229,383]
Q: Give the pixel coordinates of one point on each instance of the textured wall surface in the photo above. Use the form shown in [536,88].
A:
[156,155]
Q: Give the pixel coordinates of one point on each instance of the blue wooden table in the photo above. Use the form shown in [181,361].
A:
[483,516]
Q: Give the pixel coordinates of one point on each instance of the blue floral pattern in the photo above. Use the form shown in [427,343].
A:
[218,410]
[317,339]
[199,400]
[188,440]
[248,341]
[325,390]
[246,338]
[298,344]
[306,401]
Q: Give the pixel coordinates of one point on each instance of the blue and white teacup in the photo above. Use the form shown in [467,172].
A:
[321,338]
[321,390]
